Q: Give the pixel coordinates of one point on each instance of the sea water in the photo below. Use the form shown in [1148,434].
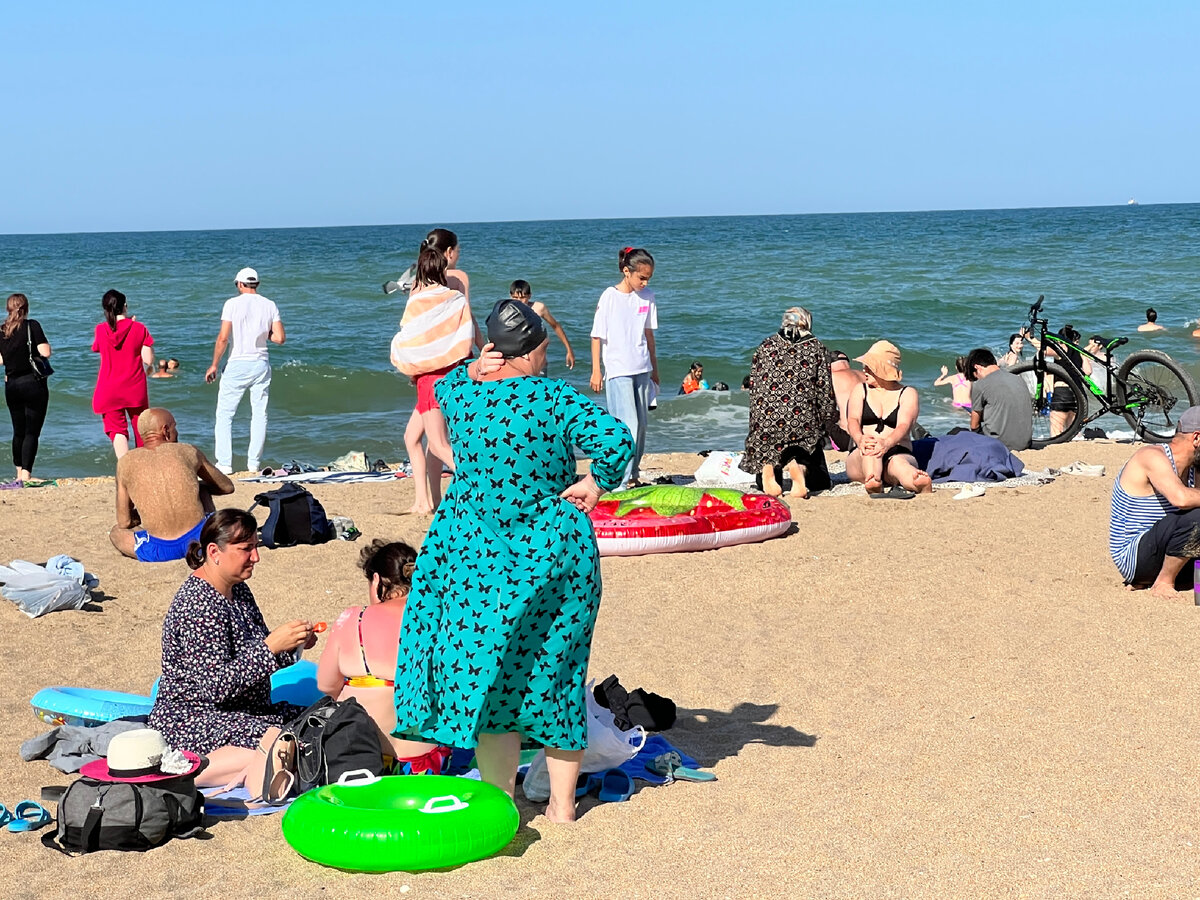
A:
[936,284]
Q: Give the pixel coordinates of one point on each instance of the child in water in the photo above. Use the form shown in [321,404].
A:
[623,332]
[520,290]
[694,380]
[960,388]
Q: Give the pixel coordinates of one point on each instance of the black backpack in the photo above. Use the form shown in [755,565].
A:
[334,737]
[115,815]
[294,517]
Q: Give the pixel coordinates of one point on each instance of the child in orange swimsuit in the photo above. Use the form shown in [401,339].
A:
[359,658]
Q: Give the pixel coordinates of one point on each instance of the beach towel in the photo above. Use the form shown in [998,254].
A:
[656,745]
[437,331]
[236,803]
[970,457]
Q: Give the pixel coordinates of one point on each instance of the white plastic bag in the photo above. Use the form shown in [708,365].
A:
[37,591]
[607,747]
[720,467]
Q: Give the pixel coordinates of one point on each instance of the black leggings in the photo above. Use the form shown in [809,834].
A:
[27,397]
[1175,534]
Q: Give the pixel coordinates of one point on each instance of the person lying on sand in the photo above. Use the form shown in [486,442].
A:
[166,487]
[1154,525]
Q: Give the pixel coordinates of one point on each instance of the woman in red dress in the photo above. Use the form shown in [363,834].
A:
[125,351]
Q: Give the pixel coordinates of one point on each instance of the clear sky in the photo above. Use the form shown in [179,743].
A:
[125,116]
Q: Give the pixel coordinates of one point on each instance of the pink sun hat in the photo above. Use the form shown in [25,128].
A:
[140,756]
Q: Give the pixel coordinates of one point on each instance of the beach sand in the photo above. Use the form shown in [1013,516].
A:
[932,698]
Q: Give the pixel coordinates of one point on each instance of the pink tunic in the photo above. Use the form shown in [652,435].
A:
[121,383]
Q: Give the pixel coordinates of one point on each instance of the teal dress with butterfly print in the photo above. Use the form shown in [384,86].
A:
[498,626]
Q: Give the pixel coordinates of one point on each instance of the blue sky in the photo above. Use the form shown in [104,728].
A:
[124,116]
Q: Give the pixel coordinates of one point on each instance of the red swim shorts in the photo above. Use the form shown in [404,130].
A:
[425,399]
[115,423]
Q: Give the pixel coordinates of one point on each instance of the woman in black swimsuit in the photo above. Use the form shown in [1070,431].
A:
[879,418]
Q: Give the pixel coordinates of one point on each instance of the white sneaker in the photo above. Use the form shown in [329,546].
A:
[225,470]
[969,491]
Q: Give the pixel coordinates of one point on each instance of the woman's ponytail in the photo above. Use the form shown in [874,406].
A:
[114,305]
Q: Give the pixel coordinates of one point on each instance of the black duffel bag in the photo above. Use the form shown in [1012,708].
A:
[334,737]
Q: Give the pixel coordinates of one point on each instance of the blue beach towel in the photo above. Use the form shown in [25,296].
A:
[656,745]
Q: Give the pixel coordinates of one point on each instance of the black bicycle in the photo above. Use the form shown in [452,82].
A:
[1149,390]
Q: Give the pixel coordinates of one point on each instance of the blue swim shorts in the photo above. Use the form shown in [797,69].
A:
[148,548]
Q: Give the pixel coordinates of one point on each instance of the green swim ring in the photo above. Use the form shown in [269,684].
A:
[398,823]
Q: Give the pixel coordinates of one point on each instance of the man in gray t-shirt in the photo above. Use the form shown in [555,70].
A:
[1000,401]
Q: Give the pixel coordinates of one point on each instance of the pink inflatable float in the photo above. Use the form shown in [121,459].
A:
[667,518]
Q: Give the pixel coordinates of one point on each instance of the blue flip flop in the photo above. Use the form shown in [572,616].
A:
[29,816]
[5,815]
[615,786]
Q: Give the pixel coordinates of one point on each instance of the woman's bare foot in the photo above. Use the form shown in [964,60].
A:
[770,485]
[922,483]
[873,484]
[561,814]
[421,509]
[799,489]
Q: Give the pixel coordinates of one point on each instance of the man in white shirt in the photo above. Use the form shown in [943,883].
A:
[251,319]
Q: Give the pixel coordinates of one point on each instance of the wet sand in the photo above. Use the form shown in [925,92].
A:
[928,698]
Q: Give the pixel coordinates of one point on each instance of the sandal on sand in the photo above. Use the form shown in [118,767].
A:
[279,776]
[1079,467]
[5,815]
[671,765]
[969,491]
[29,816]
[895,493]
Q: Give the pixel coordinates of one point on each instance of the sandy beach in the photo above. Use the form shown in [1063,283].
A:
[929,698]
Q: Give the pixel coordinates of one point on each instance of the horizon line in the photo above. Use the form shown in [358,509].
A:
[594,219]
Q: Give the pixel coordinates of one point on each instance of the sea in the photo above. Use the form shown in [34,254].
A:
[937,284]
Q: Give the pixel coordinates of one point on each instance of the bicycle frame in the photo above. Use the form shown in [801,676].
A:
[1111,397]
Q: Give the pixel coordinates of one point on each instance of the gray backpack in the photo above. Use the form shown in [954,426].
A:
[114,815]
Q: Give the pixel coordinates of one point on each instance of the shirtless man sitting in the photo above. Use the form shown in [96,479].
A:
[845,380]
[1154,526]
[164,492]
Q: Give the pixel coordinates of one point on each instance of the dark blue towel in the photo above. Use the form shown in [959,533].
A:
[968,456]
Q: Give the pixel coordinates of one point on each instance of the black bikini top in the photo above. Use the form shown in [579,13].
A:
[870,417]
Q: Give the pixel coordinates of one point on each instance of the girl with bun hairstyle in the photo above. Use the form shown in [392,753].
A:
[438,311]
[214,697]
[359,658]
[623,334]
[126,352]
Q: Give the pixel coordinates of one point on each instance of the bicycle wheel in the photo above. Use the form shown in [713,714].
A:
[1057,415]
[1153,391]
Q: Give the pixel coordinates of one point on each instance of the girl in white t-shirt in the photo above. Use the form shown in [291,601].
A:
[623,333]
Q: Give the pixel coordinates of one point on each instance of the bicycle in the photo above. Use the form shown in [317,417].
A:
[1149,390]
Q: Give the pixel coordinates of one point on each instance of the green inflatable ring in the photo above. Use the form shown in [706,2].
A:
[400,823]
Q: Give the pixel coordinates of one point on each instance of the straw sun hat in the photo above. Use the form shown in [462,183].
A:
[883,359]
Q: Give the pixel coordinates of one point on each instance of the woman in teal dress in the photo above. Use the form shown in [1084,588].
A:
[498,629]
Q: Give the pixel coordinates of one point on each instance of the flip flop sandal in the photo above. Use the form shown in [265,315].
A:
[895,493]
[615,786]
[30,816]
[279,775]
[671,765]
[5,815]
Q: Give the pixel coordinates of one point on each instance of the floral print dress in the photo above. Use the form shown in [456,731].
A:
[215,688]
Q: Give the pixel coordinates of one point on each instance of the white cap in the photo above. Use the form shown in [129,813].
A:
[246,276]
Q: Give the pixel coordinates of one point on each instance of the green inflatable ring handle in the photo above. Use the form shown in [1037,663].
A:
[400,822]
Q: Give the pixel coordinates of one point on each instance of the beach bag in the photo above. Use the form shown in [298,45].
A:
[37,590]
[41,367]
[294,517]
[113,815]
[334,737]
[607,748]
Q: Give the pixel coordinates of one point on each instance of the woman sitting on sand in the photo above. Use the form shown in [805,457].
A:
[880,418]
[362,645]
[791,399]
[214,697]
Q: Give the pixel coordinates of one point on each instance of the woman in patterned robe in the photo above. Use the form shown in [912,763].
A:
[214,696]
[498,628]
[791,399]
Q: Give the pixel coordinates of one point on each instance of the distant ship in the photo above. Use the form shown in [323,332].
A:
[1132,202]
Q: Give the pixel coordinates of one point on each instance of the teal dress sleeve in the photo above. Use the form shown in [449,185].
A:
[598,434]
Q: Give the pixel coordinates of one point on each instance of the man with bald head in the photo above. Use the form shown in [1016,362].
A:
[164,492]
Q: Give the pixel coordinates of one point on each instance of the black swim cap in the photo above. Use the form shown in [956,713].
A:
[515,328]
